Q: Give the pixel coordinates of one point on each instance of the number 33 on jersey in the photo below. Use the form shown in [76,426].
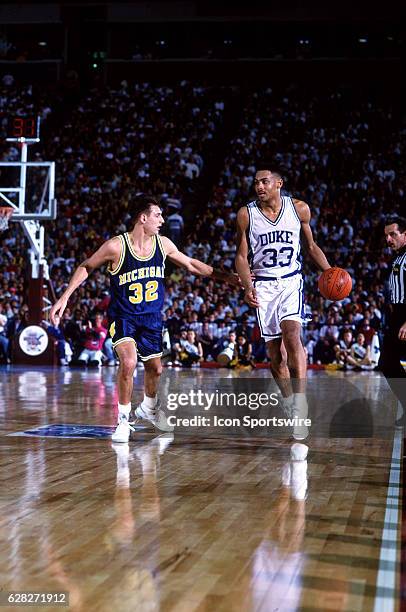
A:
[274,246]
[137,283]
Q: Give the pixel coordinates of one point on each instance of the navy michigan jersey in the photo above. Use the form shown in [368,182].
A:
[137,283]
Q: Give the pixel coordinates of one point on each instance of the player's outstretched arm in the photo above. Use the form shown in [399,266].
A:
[241,260]
[311,247]
[108,252]
[195,266]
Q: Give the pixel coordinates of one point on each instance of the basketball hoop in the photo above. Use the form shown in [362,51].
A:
[5,214]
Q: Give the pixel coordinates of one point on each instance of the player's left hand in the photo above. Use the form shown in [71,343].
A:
[251,297]
[402,332]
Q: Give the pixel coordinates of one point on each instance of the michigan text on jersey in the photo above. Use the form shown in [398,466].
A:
[139,273]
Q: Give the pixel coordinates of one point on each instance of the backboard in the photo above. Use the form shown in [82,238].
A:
[29,188]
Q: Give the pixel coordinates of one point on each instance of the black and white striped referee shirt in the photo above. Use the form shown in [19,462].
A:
[397,279]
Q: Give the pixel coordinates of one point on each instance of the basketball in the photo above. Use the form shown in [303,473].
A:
[335,284]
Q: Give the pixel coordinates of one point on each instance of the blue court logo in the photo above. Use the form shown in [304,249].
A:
[64,430]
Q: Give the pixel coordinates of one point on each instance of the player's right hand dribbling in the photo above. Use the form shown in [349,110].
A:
[251,297]
[57,311]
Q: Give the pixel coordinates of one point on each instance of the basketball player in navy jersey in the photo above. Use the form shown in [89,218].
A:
[270,231]
[136,263]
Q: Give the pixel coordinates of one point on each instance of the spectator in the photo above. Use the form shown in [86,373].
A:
[330,330]
[360,354]
[323,352]
[4,341]
[189,351]
[343,348]
[64,350]
[225,356]
[94,341]
[242,357]
[366,330]
[206,339]
[175,226]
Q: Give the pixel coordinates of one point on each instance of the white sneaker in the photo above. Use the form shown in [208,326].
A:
[122,433]
[156,417]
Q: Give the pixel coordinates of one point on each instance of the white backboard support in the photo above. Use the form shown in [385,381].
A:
[29,188]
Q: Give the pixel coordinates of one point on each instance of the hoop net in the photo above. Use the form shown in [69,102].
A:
[5,214]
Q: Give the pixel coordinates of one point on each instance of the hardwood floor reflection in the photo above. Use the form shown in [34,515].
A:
[185,522]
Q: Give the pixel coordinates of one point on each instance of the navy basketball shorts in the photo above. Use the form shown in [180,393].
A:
[144,330]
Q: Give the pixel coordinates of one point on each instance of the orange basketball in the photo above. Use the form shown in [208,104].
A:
[335,284]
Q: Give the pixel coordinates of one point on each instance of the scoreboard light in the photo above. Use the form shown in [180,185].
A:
[23,128]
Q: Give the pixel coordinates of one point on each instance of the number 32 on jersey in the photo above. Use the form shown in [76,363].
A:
[150,294]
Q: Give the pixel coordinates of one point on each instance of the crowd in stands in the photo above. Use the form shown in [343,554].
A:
[341,154]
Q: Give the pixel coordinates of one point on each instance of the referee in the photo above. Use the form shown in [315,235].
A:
[394,343]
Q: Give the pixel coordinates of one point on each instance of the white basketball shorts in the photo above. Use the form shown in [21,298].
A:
[279,300]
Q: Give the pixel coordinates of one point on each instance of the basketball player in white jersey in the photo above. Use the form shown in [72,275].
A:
[270,231]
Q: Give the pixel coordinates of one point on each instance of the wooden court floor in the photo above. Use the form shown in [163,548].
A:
[194,522]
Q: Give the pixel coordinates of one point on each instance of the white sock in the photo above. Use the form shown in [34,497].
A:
[149,403]
[288,401]
[124,410]
[300,406]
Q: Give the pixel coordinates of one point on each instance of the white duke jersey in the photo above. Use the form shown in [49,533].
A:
[274,246]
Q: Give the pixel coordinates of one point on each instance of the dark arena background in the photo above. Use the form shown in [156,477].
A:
[237,509]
